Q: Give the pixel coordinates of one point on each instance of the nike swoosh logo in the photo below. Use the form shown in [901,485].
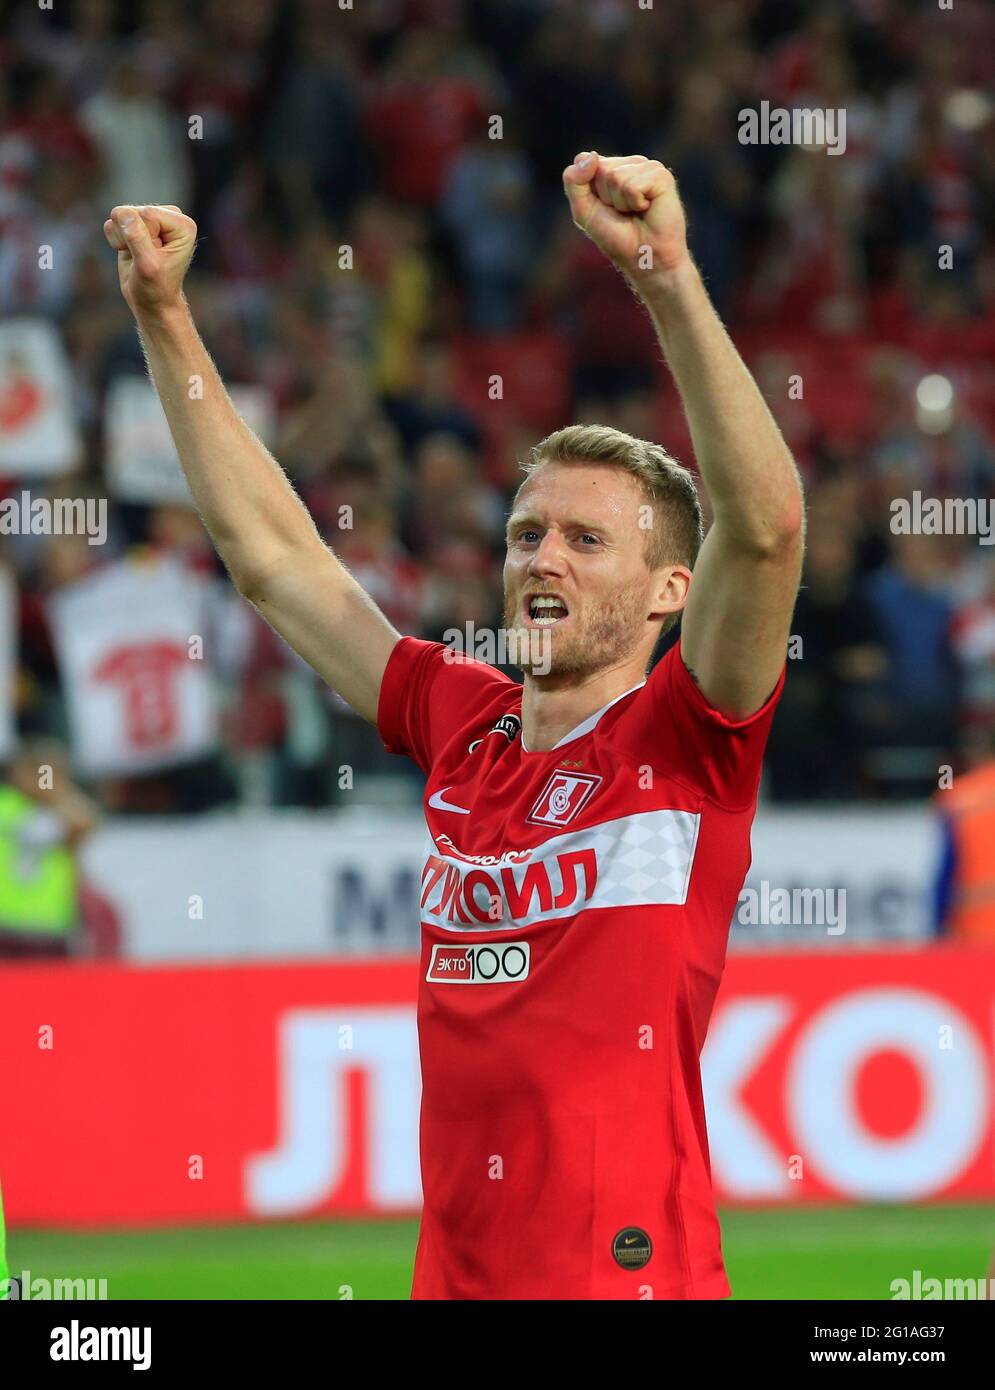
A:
[439,802]
[631,1240]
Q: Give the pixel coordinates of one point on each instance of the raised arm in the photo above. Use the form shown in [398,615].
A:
[736,622]
[262,530]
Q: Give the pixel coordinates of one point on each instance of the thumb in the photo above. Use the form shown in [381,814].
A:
[578,178]
[138,242]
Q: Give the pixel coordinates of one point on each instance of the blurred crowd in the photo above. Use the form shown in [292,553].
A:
[383,237]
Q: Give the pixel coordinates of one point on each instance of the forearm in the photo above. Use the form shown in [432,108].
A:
[747,467]
[79,813]
[251,512]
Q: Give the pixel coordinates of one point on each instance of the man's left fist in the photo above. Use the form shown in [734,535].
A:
[628,206]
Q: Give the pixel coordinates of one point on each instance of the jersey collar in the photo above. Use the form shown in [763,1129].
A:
[587,724]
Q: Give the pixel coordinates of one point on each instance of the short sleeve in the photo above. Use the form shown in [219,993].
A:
[429,693]
[720,756]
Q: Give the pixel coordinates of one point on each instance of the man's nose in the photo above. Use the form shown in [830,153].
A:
[549,555]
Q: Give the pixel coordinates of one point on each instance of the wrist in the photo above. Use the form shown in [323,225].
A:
[664,286]
[163,320]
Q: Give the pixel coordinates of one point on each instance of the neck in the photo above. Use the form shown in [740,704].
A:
[553,705]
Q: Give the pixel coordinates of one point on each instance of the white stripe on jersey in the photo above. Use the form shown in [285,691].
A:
[643,860]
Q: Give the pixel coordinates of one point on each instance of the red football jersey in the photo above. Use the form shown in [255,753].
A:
[575,908]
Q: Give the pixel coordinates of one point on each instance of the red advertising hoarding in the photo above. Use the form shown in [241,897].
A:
[133,1096]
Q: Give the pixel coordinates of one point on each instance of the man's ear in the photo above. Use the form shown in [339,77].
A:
[670,594]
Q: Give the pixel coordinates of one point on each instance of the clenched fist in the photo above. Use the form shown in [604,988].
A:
[155,245]
[629,207]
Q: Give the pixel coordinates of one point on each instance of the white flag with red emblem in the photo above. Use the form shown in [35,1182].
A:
[130,642]
[38,434]
[141,462]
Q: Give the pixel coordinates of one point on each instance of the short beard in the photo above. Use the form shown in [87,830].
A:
[612,633]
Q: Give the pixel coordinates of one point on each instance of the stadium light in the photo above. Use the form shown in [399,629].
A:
[934,404]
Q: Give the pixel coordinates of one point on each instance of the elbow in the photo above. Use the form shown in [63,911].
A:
[786,526]
[783,531]
[788,535]
[772,528]
[778,539]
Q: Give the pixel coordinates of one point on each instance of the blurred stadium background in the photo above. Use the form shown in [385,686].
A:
[224,871]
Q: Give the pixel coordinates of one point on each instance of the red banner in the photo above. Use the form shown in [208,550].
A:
[132,1096]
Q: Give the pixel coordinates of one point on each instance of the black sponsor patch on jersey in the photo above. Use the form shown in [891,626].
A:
[509,724]
[632,1248]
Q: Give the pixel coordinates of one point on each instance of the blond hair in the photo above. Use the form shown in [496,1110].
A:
[678,526]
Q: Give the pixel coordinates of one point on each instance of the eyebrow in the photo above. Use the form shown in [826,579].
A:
[515,522]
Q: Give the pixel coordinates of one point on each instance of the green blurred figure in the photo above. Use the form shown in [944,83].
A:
[43,819]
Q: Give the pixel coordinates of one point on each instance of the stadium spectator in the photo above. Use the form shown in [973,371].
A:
[485,204]
[44,818]
[420,114]
[314,140]
[140,140]
[965,884]
[715,179]
[919,694]
[820,737]
[431,404]
[44,242]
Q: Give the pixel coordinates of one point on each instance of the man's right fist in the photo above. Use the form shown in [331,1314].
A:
[155,245]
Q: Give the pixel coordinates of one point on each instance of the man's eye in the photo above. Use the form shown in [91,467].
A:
[528,536]
[588,537]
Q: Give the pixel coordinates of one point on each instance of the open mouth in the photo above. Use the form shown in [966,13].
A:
[545,610]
